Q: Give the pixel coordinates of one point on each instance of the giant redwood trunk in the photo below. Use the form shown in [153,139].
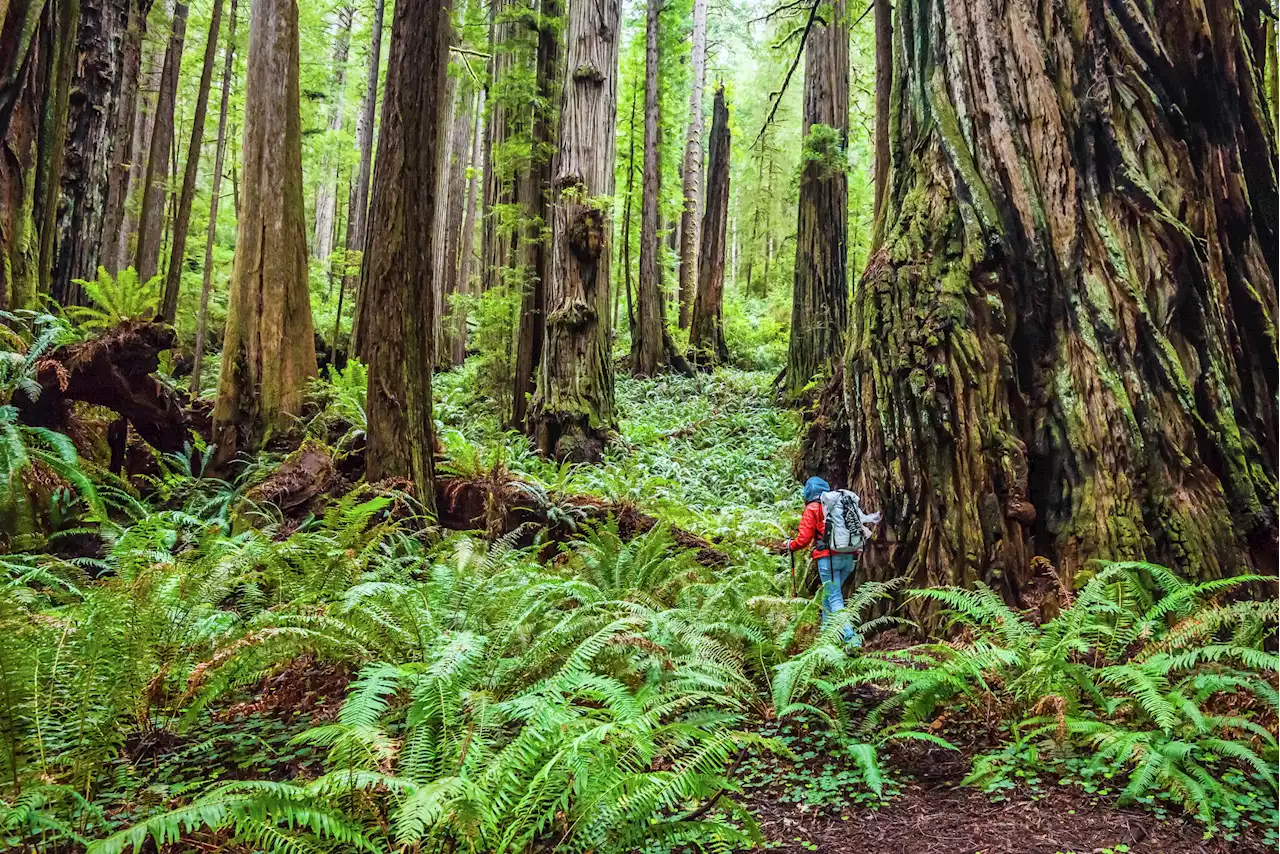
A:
[92,114]
[572,413]
[156,182]
[819,303]
[268,351]
[397,314]
[706,332]
[1066,343]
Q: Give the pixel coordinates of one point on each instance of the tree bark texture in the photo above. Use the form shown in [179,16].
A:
[156,183]
[268,350]
[139,150]
[327,191]
[124,116]
[652,349]
[572,414]
[397,276]
[707,346]
[502,206]
[467,262]
[819,307]
[190,172]
[211,234]
[1066,344]
[692,172]
[883,22]
[358,202]
[448,138]
[535,191]
[451,283]
[51,146]
[92,116]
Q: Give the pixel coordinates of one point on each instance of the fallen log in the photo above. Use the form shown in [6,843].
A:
[115,370]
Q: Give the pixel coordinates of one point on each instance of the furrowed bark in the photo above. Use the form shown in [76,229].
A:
[1066,344]
[819,308]
[178,245]
[397,278]
[572,414]
[689,220]
[122,141]
[883,22]
[268,349]
[155,184]
[51,147]
[211,234]
[707,346]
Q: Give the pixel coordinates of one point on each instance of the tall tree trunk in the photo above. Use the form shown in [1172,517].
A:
[651,347]
[572,414]
[402,234]
[884,86]
[358,203]
[92,117]
[536,195]
[51,147]
[689,221]
[1066,344]
[626,212]
[460,149]
[466,257]
[448,139]
[498,243]
[819,306]
[139,149]
[155,185]
[228,67]
[706,332]
[178,246]
[327,191]
[122,140]
[269,348]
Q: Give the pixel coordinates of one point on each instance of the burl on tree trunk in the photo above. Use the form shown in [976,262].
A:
[1066,342]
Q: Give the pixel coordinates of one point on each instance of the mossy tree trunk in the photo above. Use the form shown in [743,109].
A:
[155,185]
[652,349]
[269,345]
[572,413]
[1066,344]
[819,306]
[397,316]
[706,333]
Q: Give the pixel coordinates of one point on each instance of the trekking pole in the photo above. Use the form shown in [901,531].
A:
[793,572]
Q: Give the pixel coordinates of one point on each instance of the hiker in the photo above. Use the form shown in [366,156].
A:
[836,551]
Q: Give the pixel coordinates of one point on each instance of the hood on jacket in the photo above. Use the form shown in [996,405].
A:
[814,487]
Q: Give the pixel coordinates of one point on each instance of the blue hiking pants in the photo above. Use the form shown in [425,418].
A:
[833,571]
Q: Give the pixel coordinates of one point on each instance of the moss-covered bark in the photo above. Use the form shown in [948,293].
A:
[1066,344]
[269,345]
[572,413]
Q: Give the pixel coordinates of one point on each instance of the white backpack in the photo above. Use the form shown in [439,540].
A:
[843,521]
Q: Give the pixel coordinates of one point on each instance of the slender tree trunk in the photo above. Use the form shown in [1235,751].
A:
[466,260]
[269,349]
[626,215]
[460,150]
[651,347]
[572,414]
[497,243]
[51,151]
[1066,344]
[448,140]
[402,234]
[155,185]
[93,114]
[139,149]
[358,204]
[884,87]
[819,307]
[122,140]
[689,219]
[706,333]
[532,328]
[327,191]
[211,234]
[178,246]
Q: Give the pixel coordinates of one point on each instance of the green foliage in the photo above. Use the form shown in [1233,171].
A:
[116,300]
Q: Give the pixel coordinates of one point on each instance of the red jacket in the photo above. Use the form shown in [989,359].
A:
[812,525]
